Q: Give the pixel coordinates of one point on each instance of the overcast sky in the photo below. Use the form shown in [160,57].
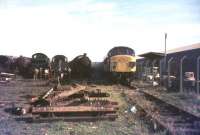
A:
[72,27]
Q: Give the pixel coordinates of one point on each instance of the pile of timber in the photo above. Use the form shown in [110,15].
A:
[74,103]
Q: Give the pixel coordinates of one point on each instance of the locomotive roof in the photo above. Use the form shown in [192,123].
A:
[39,54]
[59,56]
[81,56]
[120,47]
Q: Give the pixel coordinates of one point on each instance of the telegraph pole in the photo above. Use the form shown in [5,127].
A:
[165,57]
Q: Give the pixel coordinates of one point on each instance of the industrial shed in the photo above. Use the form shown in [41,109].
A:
[186,56]
[148,60]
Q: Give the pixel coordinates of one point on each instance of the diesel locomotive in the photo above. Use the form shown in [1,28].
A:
[120,63]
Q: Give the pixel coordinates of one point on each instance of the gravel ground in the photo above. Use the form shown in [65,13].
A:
[18,92]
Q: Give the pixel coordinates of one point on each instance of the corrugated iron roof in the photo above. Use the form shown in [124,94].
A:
[152,55]
[184,48]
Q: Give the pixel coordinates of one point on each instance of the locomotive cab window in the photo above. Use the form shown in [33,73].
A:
[121,51]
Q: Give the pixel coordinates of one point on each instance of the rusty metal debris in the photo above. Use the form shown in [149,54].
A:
[6,77]
[63,94]
[75,118]
[72,109]
[73,103]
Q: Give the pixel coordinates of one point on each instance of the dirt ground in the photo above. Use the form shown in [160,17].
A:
[19,91]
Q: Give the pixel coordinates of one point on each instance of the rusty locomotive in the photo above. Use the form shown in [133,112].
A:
[60,67]
[81,66]
[41,65]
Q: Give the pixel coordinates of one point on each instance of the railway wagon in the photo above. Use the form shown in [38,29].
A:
[81,66]
[120,64]
[60,67]
[41,65]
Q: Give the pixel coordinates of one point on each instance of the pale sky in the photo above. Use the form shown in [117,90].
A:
[72,27]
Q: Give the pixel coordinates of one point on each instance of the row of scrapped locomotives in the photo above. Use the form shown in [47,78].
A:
[59,67]
[119,65]
[40,66]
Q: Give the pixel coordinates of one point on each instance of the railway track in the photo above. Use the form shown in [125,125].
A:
[176,121]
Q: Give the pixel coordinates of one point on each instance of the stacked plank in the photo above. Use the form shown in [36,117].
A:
[74,103]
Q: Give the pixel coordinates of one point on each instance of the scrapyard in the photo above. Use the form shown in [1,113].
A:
[39,95]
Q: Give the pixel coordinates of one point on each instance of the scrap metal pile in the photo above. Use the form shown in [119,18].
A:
[73,103]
